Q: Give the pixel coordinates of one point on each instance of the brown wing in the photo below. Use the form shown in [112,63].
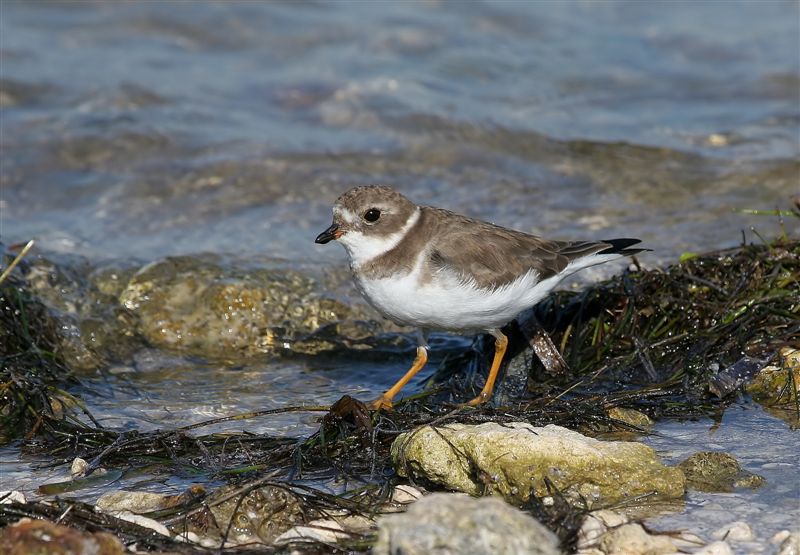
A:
[493,256]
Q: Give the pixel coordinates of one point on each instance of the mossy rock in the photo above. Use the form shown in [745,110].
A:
[514,460]
[713,471]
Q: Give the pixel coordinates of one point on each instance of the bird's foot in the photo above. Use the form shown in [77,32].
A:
[479,400]
[381,403]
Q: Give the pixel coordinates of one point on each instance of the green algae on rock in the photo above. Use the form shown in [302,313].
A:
[198,305]
[717,472]
[517,460]
[259,515]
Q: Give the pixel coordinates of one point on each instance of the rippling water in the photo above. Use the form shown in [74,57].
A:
[147,128]
[142,129]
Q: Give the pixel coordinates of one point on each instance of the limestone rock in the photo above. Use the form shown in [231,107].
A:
[512,459]
[715,548]
[216,308]
[790,545]
[735,531]
[717,472]
[445,524]
[40,536]
[633,539]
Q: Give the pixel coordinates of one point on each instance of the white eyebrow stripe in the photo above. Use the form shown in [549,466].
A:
[345,214]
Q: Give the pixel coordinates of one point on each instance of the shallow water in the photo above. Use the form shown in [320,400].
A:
[140,130]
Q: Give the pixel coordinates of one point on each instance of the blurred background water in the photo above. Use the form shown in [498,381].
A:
[152,128]
[137,130]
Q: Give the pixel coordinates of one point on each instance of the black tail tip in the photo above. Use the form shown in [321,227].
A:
[620,246]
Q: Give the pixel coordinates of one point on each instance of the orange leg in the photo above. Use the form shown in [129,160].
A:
[500,344]
[385,400]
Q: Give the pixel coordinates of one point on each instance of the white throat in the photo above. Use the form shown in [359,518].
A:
[363,248]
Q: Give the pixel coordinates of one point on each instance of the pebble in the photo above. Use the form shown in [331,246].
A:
[715,548]
[323,531]
[79,467]
[7,497]
[735,531]
[790,545]
[405,494]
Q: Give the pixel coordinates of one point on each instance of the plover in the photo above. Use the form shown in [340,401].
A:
[434,269]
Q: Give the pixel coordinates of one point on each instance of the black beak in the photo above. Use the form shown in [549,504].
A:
[328,235]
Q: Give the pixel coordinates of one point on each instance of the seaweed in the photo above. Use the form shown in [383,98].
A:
[652,340]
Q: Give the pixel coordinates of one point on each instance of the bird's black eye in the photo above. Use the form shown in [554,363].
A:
[372,215]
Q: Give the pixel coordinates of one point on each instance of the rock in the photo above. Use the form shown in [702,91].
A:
[717,472]
[790,545]
[513,459]
[324,531]
[444,524]
[595,526]
[39,536]
[144,522]
[772,385]
[331,530]
[405,494]
[261,517]
[633,539]
[139,502]
[78,468]
[212,307]
[7,497]
[630,416]
[715,548]
[736,531]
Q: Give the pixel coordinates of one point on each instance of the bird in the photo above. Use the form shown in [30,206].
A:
[436,270]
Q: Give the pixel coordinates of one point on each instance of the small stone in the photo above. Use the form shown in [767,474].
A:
[735,531]
[28,536]
[714,471]
[630,416]
[610,518]
[715,548]
[590,532]
[405,494]
[7,497]
[131,501]
[442,523]
[790,544]
[632,538]
[143,521]
[78,468]
[323,531]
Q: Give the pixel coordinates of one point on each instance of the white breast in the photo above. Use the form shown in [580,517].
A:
[449,303]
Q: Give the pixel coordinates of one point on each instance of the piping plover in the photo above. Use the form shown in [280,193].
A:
[437,270]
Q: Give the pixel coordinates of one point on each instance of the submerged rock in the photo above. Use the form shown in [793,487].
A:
[717,472]
[630,416]
[40,536]
[202,306]
[516,459]
[261,517]
[442,523]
